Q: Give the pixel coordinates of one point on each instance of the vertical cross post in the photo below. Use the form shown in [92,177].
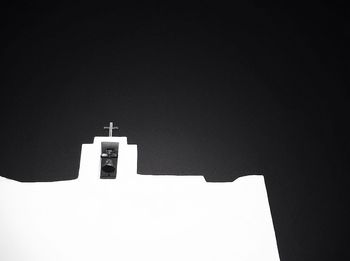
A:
[111,128]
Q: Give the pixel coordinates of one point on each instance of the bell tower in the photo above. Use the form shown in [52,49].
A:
[107,157]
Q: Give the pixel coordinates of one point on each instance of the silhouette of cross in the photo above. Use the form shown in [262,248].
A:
[111,128]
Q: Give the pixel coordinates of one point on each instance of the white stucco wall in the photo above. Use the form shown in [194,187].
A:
[135,217]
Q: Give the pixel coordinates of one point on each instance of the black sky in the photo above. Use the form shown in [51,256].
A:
[202,89]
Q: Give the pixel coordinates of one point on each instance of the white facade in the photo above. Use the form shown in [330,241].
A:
[135,217]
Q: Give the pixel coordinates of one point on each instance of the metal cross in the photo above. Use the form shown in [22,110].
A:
[111,128]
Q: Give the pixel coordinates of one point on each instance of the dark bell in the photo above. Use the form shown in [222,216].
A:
[108,166]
